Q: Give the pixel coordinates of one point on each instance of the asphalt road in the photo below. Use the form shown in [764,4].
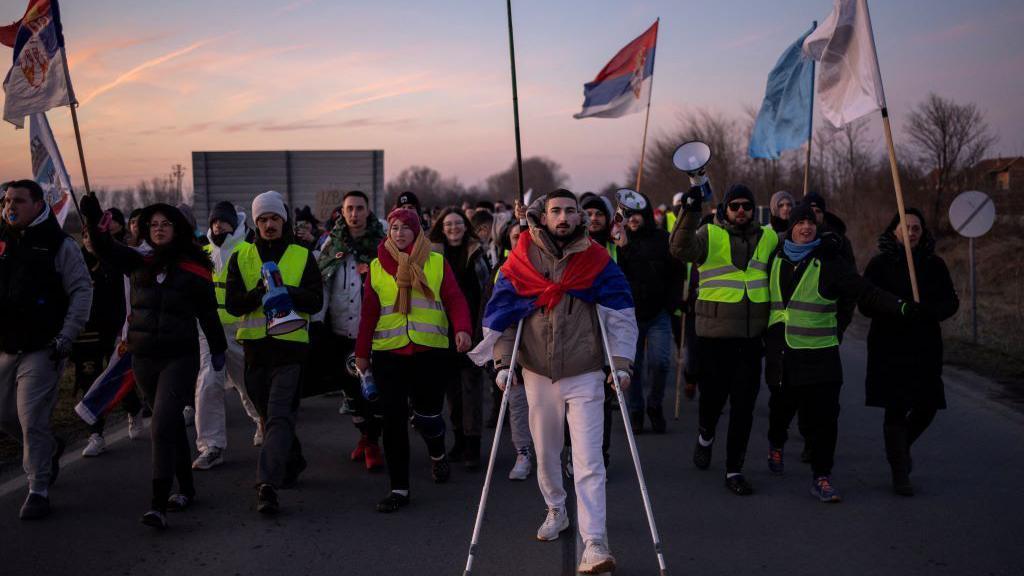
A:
[966,518]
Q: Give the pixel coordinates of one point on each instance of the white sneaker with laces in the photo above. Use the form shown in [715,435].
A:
[555,522]
[96,446]
[597,559]
[208,459]
[136,427]
[522,468]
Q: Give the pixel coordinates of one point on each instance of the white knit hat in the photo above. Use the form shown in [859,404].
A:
[269,202]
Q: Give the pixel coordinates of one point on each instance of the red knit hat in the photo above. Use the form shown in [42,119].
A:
[408,217]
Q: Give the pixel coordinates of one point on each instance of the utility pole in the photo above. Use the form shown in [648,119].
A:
[178,173]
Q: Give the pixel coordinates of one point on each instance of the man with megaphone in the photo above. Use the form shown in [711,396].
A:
[273,285]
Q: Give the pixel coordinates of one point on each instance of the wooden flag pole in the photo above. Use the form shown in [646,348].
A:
[647,119]
[73,104]
[810,131]
[523,225]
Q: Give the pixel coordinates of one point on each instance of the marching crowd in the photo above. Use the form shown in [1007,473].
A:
[389,307]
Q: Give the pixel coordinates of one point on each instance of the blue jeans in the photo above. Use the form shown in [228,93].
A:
[654,346]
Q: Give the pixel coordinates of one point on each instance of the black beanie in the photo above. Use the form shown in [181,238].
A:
[117,216]
[738,192]
[814,199]
[802,211]
[407,198]
[226,213]
[595,201]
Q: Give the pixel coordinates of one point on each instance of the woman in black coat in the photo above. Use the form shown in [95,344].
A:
[904,372]
[171,288]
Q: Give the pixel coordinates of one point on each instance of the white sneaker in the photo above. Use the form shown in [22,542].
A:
[208,459]
[96,446]
[190,416]
[257,438]
[597,559]
[522,468]
[553,525]
[136,427]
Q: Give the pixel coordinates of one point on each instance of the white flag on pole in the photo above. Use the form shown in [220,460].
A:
[48,166]
[849,83]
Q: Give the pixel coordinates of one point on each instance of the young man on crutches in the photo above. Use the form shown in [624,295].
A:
[563,277]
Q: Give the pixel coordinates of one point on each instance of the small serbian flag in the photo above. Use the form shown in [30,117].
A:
[624,85]
[109,388]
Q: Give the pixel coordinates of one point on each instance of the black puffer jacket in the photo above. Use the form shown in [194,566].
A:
[905,358]
[839,281]
[655,277]
[171,289]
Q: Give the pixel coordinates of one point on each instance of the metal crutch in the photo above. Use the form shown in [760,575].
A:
[494,453]
[632,448]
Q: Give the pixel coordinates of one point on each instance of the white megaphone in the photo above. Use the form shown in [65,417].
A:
[692,157]
[280,325]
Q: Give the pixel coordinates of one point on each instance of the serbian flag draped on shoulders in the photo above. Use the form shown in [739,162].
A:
[37,80]
[591,276]
[623,86]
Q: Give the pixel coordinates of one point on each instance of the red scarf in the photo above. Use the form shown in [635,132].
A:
[579,274]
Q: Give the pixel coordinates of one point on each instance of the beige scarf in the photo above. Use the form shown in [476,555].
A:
[410,272]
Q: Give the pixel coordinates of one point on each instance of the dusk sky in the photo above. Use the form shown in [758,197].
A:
[428,82]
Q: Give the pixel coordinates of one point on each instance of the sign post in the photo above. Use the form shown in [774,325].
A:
[972,214]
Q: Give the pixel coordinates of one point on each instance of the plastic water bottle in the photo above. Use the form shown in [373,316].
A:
[368,386]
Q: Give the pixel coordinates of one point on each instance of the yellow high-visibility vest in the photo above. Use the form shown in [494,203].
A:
[810,318]
[425,324]
[219,287]
[720,281]
[253,326]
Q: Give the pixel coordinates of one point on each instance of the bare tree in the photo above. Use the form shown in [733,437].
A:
[947,138]
[429,186]
[540,174]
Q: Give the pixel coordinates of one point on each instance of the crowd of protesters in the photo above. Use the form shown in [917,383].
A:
[389,305]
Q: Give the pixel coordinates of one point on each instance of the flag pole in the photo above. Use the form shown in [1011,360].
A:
[893,166]
[523,225]
[647,119]
[810,125]
[73,104]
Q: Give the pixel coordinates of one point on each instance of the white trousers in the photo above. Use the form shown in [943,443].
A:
[211,410]
[584,395]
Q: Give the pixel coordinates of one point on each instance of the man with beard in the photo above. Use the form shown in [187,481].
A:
[344,262]
[599,220]
[226,235]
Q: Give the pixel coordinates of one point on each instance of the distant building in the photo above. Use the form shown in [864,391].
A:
[995,174]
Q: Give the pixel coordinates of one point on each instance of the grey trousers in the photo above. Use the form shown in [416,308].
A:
[275,392]
[28,394]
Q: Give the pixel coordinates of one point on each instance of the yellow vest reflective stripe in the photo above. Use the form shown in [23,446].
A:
[720,281]
[219,280]
[810,318]
[426,324]
[253,326]
[613,251]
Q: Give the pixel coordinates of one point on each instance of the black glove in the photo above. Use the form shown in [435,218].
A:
[692,199]
[91,211]
[910,310]
[60,348]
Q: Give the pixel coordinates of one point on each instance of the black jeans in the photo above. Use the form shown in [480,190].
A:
[404,380]
[169,385]
[274,390]
[730,370]
[465,393]
[818,406]
[362,416]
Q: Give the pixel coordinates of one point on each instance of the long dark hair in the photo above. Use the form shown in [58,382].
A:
[182,247]
[889,244]
[436,234]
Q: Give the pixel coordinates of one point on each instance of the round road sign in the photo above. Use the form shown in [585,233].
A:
[972,213]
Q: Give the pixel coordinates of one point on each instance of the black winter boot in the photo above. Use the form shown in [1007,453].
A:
[898,453]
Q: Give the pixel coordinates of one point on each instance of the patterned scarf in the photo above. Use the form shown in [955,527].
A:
[340,243]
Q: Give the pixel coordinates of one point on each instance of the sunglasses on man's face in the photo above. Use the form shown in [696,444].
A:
[737,206]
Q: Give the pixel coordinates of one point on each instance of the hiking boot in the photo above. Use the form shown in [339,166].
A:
[392,502]
[823,489]
[372,457]
[359,453]
[702,454]
[775,461]
[136,427]
[554,523]
[55,462]
[597,559]
[658,424]
[440,471]
[738,485]
[208,458]
[36,506]
[154,519]
[96,446]
[636,421]
[266,499]
[522,468]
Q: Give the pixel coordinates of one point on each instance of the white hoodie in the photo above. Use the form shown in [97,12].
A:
[220,255]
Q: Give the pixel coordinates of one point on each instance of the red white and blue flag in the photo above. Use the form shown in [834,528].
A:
[624,85]
[109,388]
[591,276]
[37,81]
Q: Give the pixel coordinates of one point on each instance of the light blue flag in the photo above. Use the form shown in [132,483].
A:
[784,121]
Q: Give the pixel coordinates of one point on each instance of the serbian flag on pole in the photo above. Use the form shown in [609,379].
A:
[48,166]
[591,276]
[624,85]
[37,80]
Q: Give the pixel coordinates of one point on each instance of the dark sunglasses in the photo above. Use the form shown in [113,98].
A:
[737,206]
